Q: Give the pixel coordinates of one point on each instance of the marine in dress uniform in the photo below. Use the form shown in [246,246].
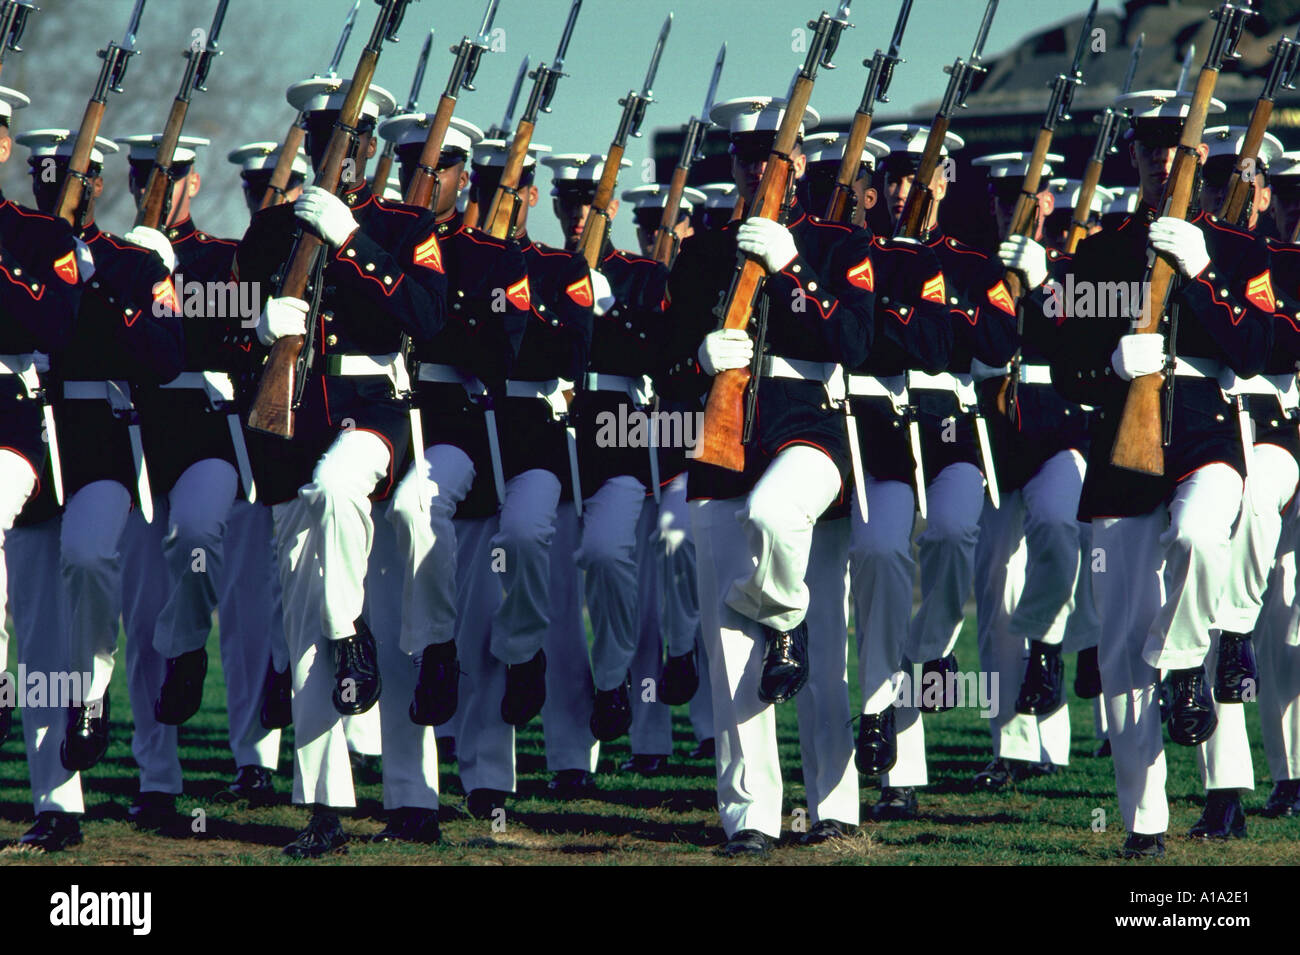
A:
[719,206]
[256,162]
[43,271]
[754,530]
[1165,540]
[381,280]
[647,204]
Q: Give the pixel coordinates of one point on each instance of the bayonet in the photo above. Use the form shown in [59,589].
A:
[1188,57]
[562,50]
[648,86]
[485,30]
[713,82]
[13,21]
[413,101]
[343,40]
[1133,62]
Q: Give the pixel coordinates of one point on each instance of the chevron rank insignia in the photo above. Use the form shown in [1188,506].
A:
[581,292]
[165,300]
[519,294]
[1000,297]
[66,268]
[933,290]
[862,275]
[1259,292]
[428,254]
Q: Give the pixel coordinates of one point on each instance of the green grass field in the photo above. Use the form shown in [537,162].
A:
[665,820]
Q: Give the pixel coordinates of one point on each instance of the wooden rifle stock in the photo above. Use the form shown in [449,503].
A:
[383,169]
[837,210]
[72,192]
[277,188]
[499,222]
[596,227]
[423,184]
[911,223]
[1083,206]
[1241,187]
[666,237]
[159,185]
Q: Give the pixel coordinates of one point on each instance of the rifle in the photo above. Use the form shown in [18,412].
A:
[1025,215]
[1286,60]
[278,185]
[721,439]
[881,72]
[634,104]
[13,21]
[1107,133]
[1139,442]
[156,200]
[424,184]
[500,131]
[504,209]
[288,366]
[384,165]
[666,241]
[912,222]
[116,57]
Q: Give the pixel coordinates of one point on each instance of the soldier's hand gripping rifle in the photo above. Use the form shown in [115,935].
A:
[1139,442]
[666,241]
[287,367]
[880,73]
[913,220]
[1282,75]
[423,188]
[278,186]
[504,208]
[116,57]
[13,21]
[155,201]
[1109,123]
[500,131]
[596,228]
[384,164]
[1025,216]
[721,442]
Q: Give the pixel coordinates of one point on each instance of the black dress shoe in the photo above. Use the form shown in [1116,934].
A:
[182,688]
[895,804]
[356,672]
[611,712]
[877,750]
[1103,750]
[87,738]
[437,689]
[1223,817]
[324,834]
[1191,711]
[681,678]
[1166,698]
[1236,675]
[1284,800]
[1141,846]
[1042,691]
[154,812]
[705,749]
[277,706]
[53,832]
[411,824]
[1087,675]
[525,690]
[571,784]
[825,830]
[785,664]
[934,673]
[996,775]
[252,784]
[748,842]
[482,803]
[645,764]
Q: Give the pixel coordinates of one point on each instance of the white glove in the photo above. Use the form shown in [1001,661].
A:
[1182,242]
[1025,256]
[155,242]
[281,317]
[85,261]
[1138,355]
[768,241]
[725,349]
[602,294]
[325,214]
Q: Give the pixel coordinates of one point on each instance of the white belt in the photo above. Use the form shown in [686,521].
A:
[217,385]
[116,393]
[1035,375]
[1198,368]
[118,396]
[774,366]
[1281,387]
[390,366]
[26,366]
[944,381]
[637,389]
[449,375]
[893,387]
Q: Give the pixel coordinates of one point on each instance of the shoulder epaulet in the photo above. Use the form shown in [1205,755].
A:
[1222,226]
[818,221]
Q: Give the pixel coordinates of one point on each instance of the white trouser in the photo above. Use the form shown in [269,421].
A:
[566,714]
[38,608]
[946,551]
[363,732]
[826,743]
[523,546]
[1272,483]
[1224,758]
[778,517]
[91,566]
[17,481]
[1277,651]
[251,627]
[426,536]
[193,554]
[323,540]
[410,752]
[608,558]
[1082,628]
